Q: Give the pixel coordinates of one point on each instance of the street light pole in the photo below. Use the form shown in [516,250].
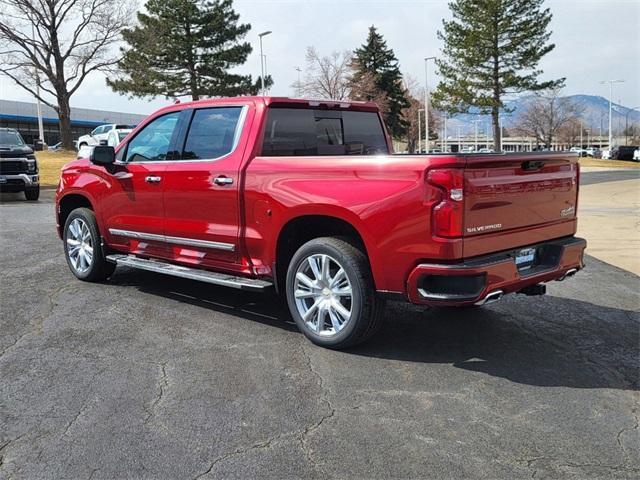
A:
[475,130]
[298,93]
[610,82]
[260,35]
[39,107]
[419,130]
[444,134]
[426,102]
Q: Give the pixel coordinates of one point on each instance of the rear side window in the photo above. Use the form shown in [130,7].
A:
[212,133]
[306,132]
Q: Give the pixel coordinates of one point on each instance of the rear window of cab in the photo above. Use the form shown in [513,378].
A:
[309,132]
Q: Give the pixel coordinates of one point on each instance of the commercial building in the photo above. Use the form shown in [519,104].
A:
[23,116]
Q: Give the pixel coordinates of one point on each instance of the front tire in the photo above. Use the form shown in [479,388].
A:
[331,295]
[32,193]
[83,247]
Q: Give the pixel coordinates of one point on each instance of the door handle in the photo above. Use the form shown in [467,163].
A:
[222,180]
[152,179]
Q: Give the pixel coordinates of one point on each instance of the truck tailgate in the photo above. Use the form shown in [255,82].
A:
[516,200]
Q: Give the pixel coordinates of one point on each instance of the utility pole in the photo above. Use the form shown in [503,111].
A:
[426,101]
[262,61]
[611,82]
[299,85]
[459,140]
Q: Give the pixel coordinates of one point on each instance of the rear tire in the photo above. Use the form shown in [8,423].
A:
[83,247]
[331,295]
[32,193]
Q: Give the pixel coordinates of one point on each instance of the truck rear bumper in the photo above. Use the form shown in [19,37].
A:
[487,278]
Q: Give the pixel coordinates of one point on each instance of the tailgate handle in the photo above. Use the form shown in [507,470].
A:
[532,165]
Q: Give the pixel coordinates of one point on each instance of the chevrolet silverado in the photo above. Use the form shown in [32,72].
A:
[307,198]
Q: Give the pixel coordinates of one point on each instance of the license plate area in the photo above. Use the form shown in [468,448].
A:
[525,258]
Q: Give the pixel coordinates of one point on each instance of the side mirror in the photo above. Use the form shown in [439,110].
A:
[103,155]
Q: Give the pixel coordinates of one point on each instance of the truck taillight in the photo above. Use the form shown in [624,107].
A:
[446,215]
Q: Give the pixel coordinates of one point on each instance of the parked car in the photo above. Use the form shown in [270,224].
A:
[84,151]
[98,134]
[117,135]
[306,197]
[623,152]
[18,165]
[606,154]
[486,150]
[593,152]
[579,150]
[636,154]
[55,148]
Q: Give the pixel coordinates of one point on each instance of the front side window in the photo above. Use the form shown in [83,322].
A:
[152,143]
[306,132]
[212,133]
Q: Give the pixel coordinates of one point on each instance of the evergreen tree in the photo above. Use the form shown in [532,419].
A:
[185,48]
[491,49]
[375,63]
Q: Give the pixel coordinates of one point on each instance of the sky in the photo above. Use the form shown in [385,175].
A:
[595,40]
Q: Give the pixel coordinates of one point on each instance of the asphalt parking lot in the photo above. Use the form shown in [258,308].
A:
[146,376]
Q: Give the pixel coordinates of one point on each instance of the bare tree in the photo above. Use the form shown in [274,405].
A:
[49,47]
[569,132]
[415,130]
[326,76]
[546,114]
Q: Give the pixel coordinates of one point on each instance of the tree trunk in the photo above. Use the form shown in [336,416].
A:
[64,119]
[495,120]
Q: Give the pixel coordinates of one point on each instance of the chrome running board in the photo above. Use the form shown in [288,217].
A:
[207,276]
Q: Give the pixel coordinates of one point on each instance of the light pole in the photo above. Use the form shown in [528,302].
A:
[610,82]
[459,140]
[475,131]
[426,102]
[262,66]
[298,94]
[626,124]
[444,134]
[420,110]
[40,127]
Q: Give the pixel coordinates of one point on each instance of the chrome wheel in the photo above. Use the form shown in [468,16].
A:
[323,294]
[79,245]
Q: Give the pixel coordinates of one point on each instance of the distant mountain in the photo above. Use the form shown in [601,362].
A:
[596,113]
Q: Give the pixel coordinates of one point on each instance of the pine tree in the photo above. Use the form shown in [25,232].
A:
[492,49]
[375,63]
[185,48]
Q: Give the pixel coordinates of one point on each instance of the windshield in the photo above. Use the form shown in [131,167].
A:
[8,137]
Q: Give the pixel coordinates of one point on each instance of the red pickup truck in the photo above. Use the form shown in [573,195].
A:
[306,197]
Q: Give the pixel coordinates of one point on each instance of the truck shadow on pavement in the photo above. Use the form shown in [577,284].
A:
[550,341]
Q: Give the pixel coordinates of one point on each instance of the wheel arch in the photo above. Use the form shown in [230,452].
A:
[67,204]
[307,226]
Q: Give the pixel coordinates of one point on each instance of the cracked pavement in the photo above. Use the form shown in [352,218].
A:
[146,376]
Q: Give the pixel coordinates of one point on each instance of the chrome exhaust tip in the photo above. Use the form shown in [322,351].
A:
[570,273]
[490,298]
